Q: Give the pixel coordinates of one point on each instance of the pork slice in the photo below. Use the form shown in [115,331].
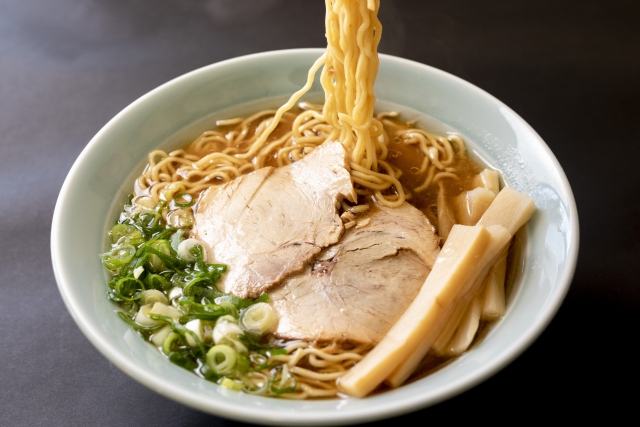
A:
[270,223]
[357,289]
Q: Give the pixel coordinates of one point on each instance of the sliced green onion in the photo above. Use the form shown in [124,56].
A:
[177,328]
[194,307]
[231,309]
[158,337]
[239,302]
[168,193]
[185,247]
[194,330]
[253,344]
[197,282]
[259,319]
[219,268]
[182,361]
[242,366]
[175,292]
[127,290]
[222,359]
[283,382]
[259,360]
[119,231]
[192,335]
[203,315]
[180,218]
[228,318]
[118,256]
[130,308]
[136,326]
[142,316]
[148,220]
[175,239]
[180,280]
[149,242]
[289,388]
[262,385]
[231,384]
[137,272]
[198,292]
[145,202]
[146,268]
[228,332]
[210,317]
[164,313]
[198,252]
[183,200]
[208,373]
[156,281]
[136,262]
[159,250]
[152,296]
[210,312]
[275,352]
[168,342]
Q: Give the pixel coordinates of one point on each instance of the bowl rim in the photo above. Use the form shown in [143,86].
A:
[376,412]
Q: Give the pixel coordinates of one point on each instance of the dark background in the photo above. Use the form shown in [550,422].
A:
[571,69]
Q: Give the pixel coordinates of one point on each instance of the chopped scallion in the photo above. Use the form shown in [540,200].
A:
[222,359]
[231,384]
[183,200]
[118,256]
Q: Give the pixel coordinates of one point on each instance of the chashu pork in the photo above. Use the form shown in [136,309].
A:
[355,290]
[270,223]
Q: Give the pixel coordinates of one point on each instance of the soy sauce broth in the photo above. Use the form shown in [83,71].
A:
[408,158]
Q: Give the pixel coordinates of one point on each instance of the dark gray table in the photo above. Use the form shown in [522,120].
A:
[570,68]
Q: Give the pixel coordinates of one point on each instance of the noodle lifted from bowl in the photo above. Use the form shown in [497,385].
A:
[350,67]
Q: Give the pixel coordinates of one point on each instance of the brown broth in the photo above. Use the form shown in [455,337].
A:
[408,159]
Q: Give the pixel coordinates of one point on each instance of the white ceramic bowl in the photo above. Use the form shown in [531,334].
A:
[178,111]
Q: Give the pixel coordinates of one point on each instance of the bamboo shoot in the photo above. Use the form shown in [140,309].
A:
[451,271]
[488,179]
[466,330]
[473,204]
[499,238]
[446,215]
[450,328]
[493,303]
[510,209]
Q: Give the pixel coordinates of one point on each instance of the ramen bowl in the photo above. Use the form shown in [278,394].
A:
[178,111]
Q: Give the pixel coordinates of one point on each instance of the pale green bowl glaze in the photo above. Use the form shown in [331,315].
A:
[177,111]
